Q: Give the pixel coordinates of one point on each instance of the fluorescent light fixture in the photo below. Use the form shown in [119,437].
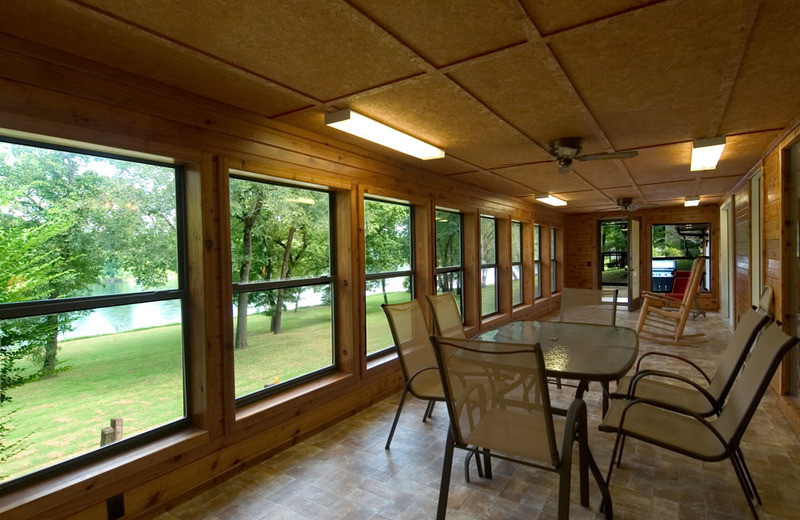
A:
[691,202]
[361,126]
[549,199]
[706,153]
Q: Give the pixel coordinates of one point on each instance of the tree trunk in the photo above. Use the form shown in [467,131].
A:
[240,340]
[275,326]
[50,346]
[383,288]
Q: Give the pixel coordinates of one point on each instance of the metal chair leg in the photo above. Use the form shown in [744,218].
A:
[444,487]
[396,417]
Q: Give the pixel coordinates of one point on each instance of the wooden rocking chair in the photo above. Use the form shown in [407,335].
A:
[667,315]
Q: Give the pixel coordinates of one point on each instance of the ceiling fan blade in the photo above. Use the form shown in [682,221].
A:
[612,155]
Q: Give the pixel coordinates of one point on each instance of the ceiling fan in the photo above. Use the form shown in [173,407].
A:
[627,204]
[568,149]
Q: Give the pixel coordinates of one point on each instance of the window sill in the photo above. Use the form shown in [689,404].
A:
[381,360]
[97,475]
[521,310]
[494,321]
[252,413]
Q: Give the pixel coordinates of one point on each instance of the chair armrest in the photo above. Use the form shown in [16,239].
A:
[673,356]
[661,296]
[575,414]
[669,375]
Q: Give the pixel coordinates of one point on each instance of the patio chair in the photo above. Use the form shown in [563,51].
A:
[445,315]
[677,390]
[597,306]
[666,317]
[505,412]
[589,306]
[412,338]
[686,432]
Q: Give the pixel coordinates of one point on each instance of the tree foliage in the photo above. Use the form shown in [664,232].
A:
[94,219]
[277,233]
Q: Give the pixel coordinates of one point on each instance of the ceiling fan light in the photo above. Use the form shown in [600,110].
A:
[551,200]
[361,126]
[706,153]
[691,202]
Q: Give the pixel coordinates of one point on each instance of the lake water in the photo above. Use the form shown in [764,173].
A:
[110,320]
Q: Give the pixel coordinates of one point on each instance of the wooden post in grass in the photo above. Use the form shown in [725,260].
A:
[106,436]
[116,423]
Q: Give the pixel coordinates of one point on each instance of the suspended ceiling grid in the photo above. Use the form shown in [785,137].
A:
[491,81]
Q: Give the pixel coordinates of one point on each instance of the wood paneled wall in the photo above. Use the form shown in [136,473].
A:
[45,92]
[741,250]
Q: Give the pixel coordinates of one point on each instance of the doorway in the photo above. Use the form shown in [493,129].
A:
[793,268]
[612,266]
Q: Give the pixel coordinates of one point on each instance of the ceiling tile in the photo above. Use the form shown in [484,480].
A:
[662,164]
[78,31]
[717,185]
[669,190]
[554,15]
[493,183]
[765,94]
[448,31]
[435,110]
[741,153]
[544,178]
[603,174]
[323,48]
[521,86]
[654,76]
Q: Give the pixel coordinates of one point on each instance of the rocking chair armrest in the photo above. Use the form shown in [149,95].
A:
[662,297]
[673,356]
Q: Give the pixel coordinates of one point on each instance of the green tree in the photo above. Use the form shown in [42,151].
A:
[120,220]
[387,238]
[277,233]
[448,247]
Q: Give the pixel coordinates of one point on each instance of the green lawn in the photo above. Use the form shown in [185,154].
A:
[615,276]
[137,375]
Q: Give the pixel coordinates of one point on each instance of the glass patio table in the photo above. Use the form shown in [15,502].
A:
[579,351]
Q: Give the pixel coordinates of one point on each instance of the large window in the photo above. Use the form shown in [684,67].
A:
[553,260]
[516,263]
[488,266]
[449,265]
[282,286]
[389,266]
[675,246]
[92,295]
[537,261]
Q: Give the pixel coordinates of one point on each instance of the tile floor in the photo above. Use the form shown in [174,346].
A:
[344,472]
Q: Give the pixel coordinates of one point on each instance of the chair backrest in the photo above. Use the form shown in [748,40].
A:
[732,359]
[493,388]
[771,345]
[679,283]
[412,339]
[766,304]
[446,316]
[693,285]
[589,306]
